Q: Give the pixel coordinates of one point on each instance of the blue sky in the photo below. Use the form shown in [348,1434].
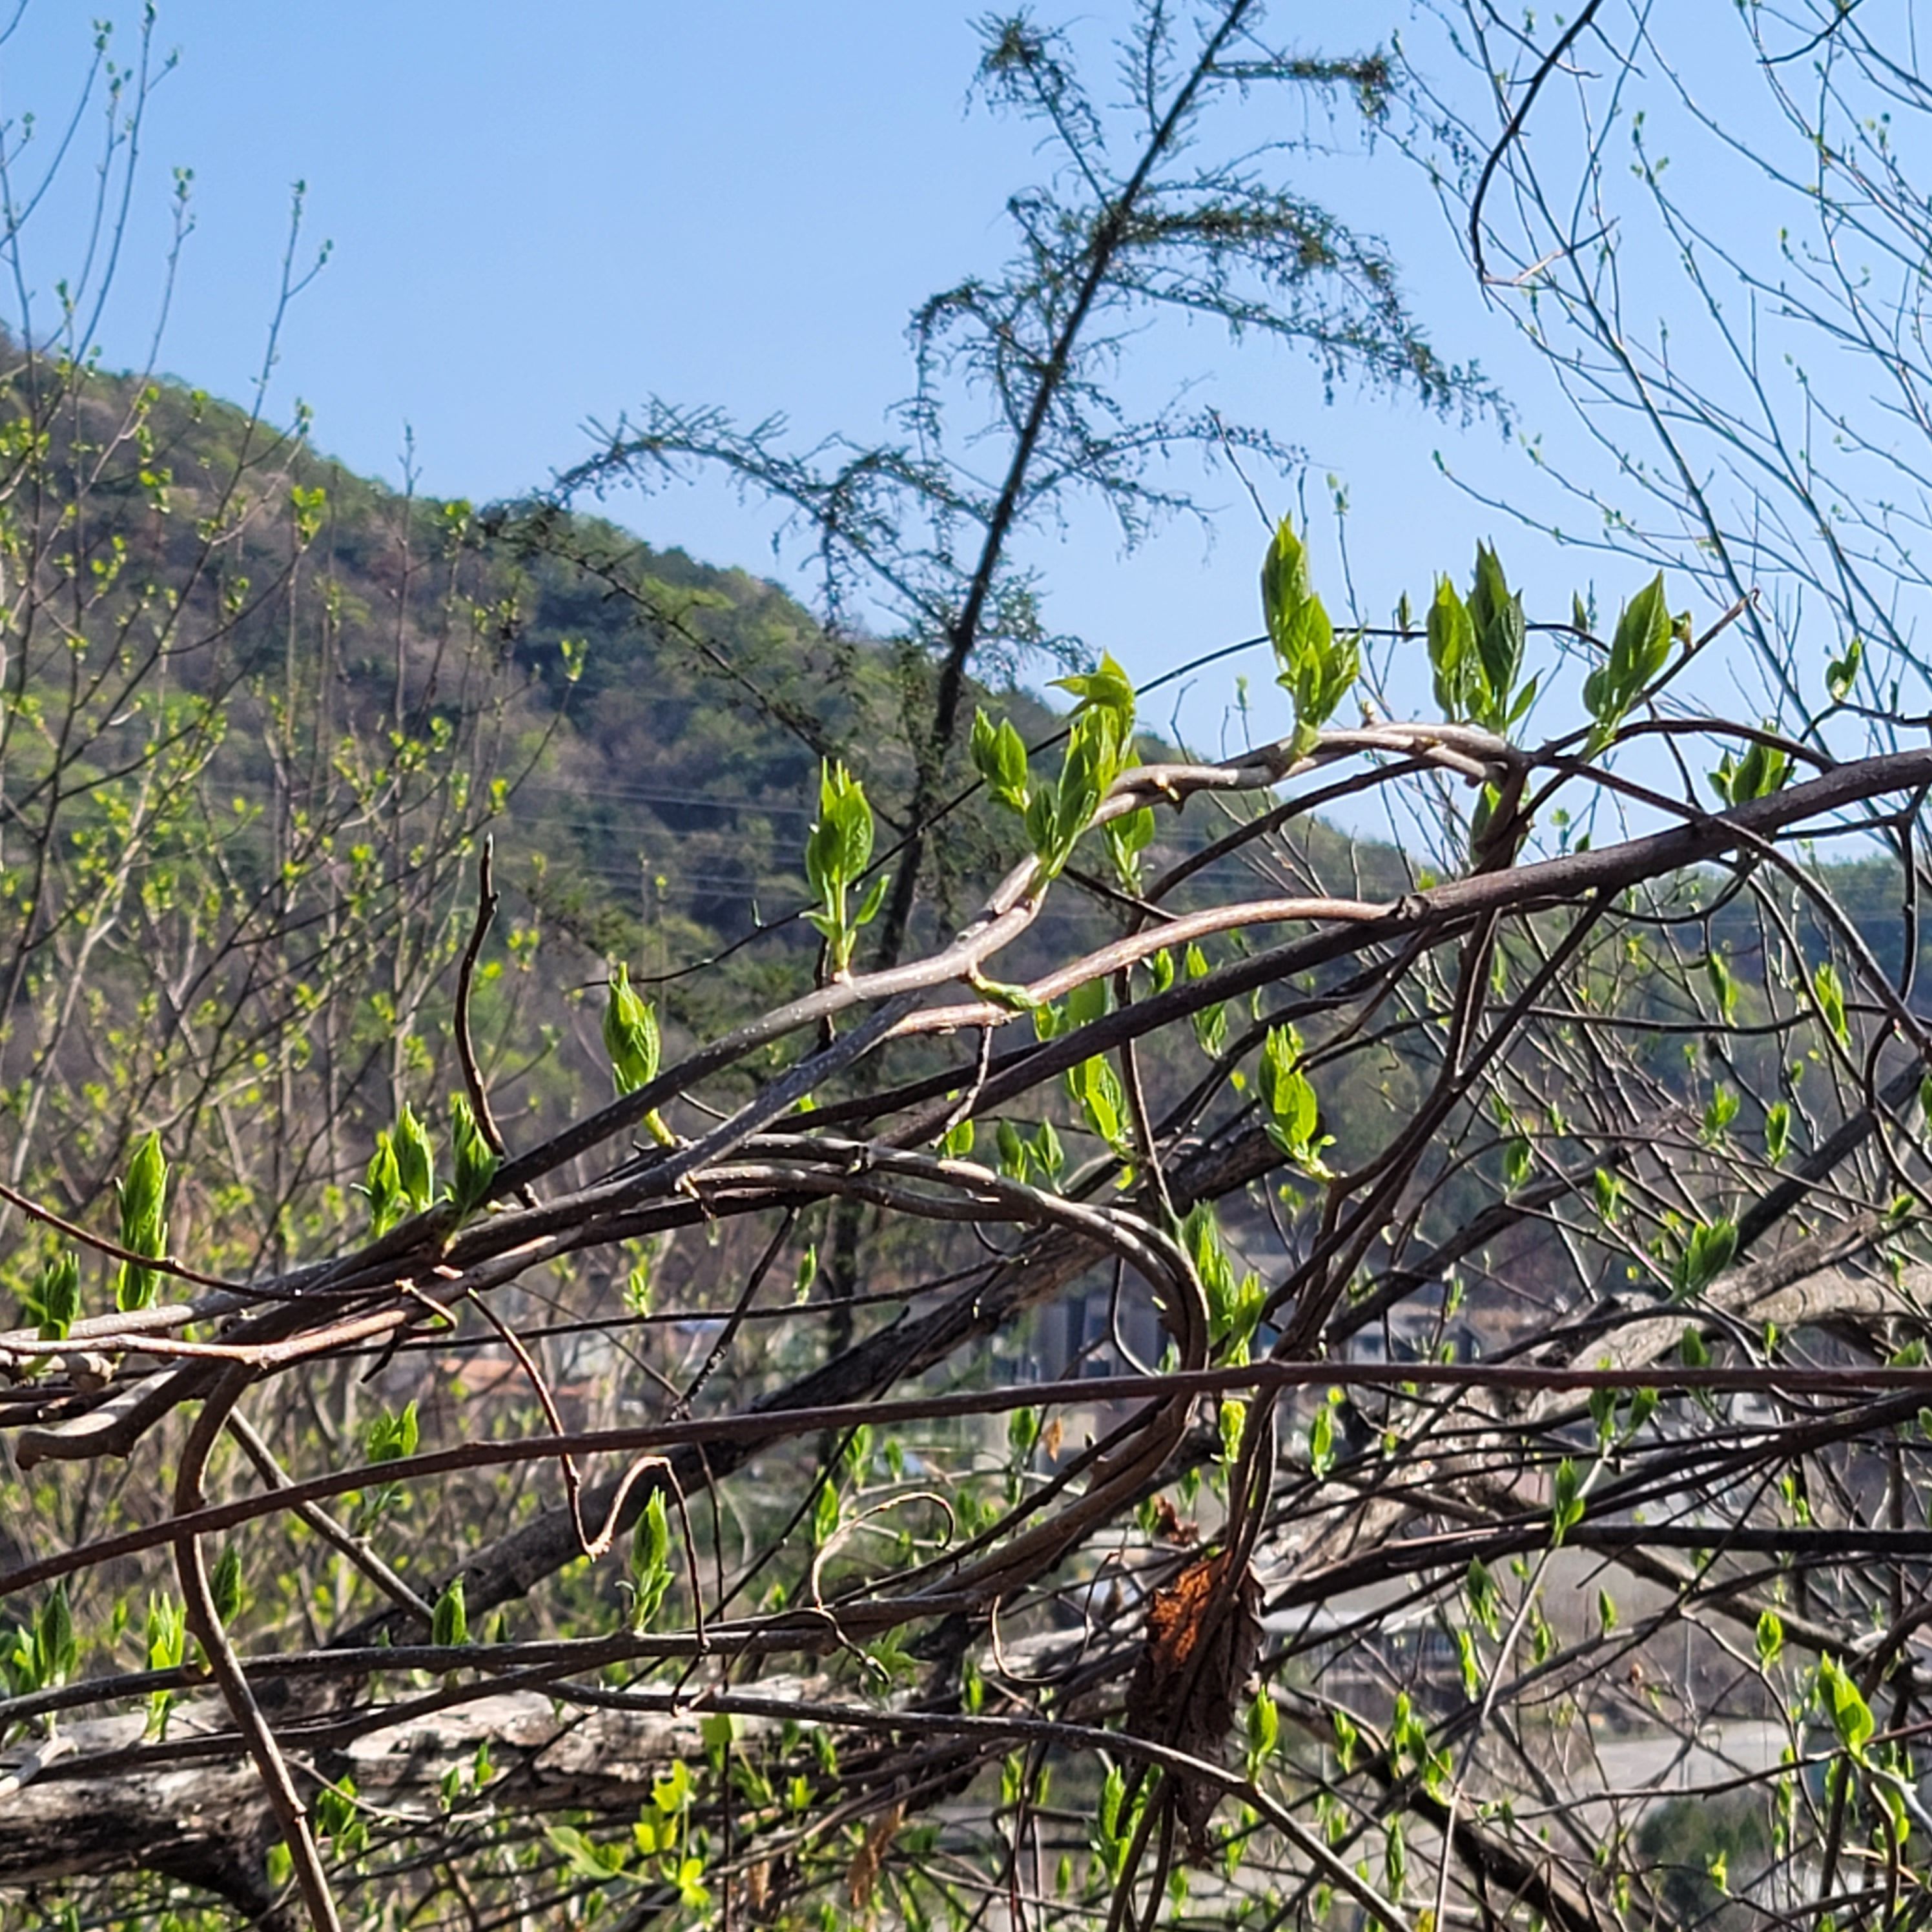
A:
[539,216]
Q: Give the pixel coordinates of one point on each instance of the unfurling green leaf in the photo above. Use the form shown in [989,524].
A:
[1314,666]
[475,1160]
[1518,1152]
[650,1560]
[1099,743]
[225,1585]
[56,1647]
[1830,991]
[1609,1189]
[53,1304]
[1288,1097]
[1127,839]
[825,1516]
[144,1226]
[383,1186]
[1106,688]
[583,1855]
[167,1645]
[1096,1088]
[45,1656]
[999,756]
[1452,653]
[1485,1600]
[416,1161]
[1476,649]
[1638,652]
[1841,674]
[449,1622]
[1321,1442]
[1642,645]
[1762,770]
[1851,1716]
[1723,1110]
[1723,982]
[1496,616]
[1567,1510]
[1047,1153]
[1705,1256]
[390,1438]
[1210,1023]
[631,1037]
[1263,1726]
[836,854]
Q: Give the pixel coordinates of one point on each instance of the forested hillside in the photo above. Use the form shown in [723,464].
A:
[265,713]
[269,714]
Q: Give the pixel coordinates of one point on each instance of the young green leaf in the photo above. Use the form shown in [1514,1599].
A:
[1496,619]
[144,1227]
[1567,1510]
[1704,1257]
[1841,674]
[1263,1726]
[1047,1153]
[416,1161]
[383,1186]
[1723,982]
[1851,1716]
[1127,839]
[1321,1442]
[1107,688]
[650,1560]
[1722,1111]
[225,1586]
[1638,652]
[1761,771]
[56,1647]
[1830,991]
[449,1621]
[1609,1189]
[475,1160]
[999,756]
[388,1439]
[836,854]
[1485,1600]
[631,1036]
[1452,654]
[167,1645]
[1288,1097]
[53,1304]
[1314,666]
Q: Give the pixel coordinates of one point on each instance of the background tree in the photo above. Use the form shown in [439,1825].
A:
[1157,207]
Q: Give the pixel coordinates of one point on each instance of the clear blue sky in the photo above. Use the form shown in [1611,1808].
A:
[540,215]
